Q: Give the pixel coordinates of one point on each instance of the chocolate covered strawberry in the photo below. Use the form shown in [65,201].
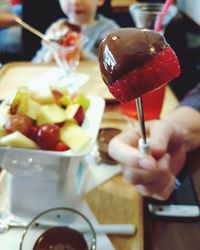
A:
[135,61]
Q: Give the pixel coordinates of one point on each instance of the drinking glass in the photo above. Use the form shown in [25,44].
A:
[59,221]
[145,15]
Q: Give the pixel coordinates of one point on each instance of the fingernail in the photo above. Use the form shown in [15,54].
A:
[146,163]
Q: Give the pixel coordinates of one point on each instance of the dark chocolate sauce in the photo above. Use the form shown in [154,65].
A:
[61,238]
[104,137]
[127,48]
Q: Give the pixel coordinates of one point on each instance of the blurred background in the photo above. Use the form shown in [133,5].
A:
[182,32]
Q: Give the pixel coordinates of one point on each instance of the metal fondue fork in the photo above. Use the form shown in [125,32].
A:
[144,146]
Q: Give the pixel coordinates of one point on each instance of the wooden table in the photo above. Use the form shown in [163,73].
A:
[114,201]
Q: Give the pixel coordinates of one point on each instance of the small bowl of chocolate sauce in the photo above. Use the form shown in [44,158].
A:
[59,229]
[103,139]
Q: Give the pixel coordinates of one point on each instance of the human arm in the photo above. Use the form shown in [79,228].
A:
[170,140]
[7,19]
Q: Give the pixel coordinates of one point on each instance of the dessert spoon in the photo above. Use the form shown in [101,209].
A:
[123,229]
[31,29]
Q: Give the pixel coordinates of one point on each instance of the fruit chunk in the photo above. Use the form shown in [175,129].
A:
[64,101]
[48,136]
[75,112]
[57,94]
[74,136]
[2,132]
[50,114]
[135,61]
[19,140]
[20,101]
[42,95]
[19,123]
[82,100]
[33,109]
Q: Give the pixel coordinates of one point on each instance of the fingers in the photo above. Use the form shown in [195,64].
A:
[157,182]
[162,194]
[123,148]
[166,191]
[152,177]
[152,173]
[160,134]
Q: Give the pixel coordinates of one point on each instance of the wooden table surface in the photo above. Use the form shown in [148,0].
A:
[114,201]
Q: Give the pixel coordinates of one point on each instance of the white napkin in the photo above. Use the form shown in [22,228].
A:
[91,175]
[56,77]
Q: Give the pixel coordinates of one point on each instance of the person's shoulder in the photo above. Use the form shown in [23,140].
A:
[102,20]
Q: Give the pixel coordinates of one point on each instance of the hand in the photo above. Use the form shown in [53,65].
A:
[7,19]
[153,175]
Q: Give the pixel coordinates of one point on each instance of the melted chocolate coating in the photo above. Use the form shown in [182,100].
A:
[127,48]
[61,238]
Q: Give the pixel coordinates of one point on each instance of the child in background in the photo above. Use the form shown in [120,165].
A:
[93,28]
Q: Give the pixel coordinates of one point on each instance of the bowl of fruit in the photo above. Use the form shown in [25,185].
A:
[38,126]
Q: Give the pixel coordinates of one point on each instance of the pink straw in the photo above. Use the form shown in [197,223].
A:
[159,22]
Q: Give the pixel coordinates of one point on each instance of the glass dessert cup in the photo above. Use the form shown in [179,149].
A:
[145,15]
[66,57]
[59,228]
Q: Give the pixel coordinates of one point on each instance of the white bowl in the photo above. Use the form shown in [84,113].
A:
[40,179]
[21,159]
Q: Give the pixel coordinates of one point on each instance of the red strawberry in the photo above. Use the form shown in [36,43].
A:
[156,72]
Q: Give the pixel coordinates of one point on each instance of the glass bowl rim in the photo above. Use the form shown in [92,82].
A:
[155,8]
[68,209]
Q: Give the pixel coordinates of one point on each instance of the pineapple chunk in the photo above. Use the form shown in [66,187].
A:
[17,139]
[50,114]
[83,101]
[20,102]
[74,136]
[33,109]
[42,95]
